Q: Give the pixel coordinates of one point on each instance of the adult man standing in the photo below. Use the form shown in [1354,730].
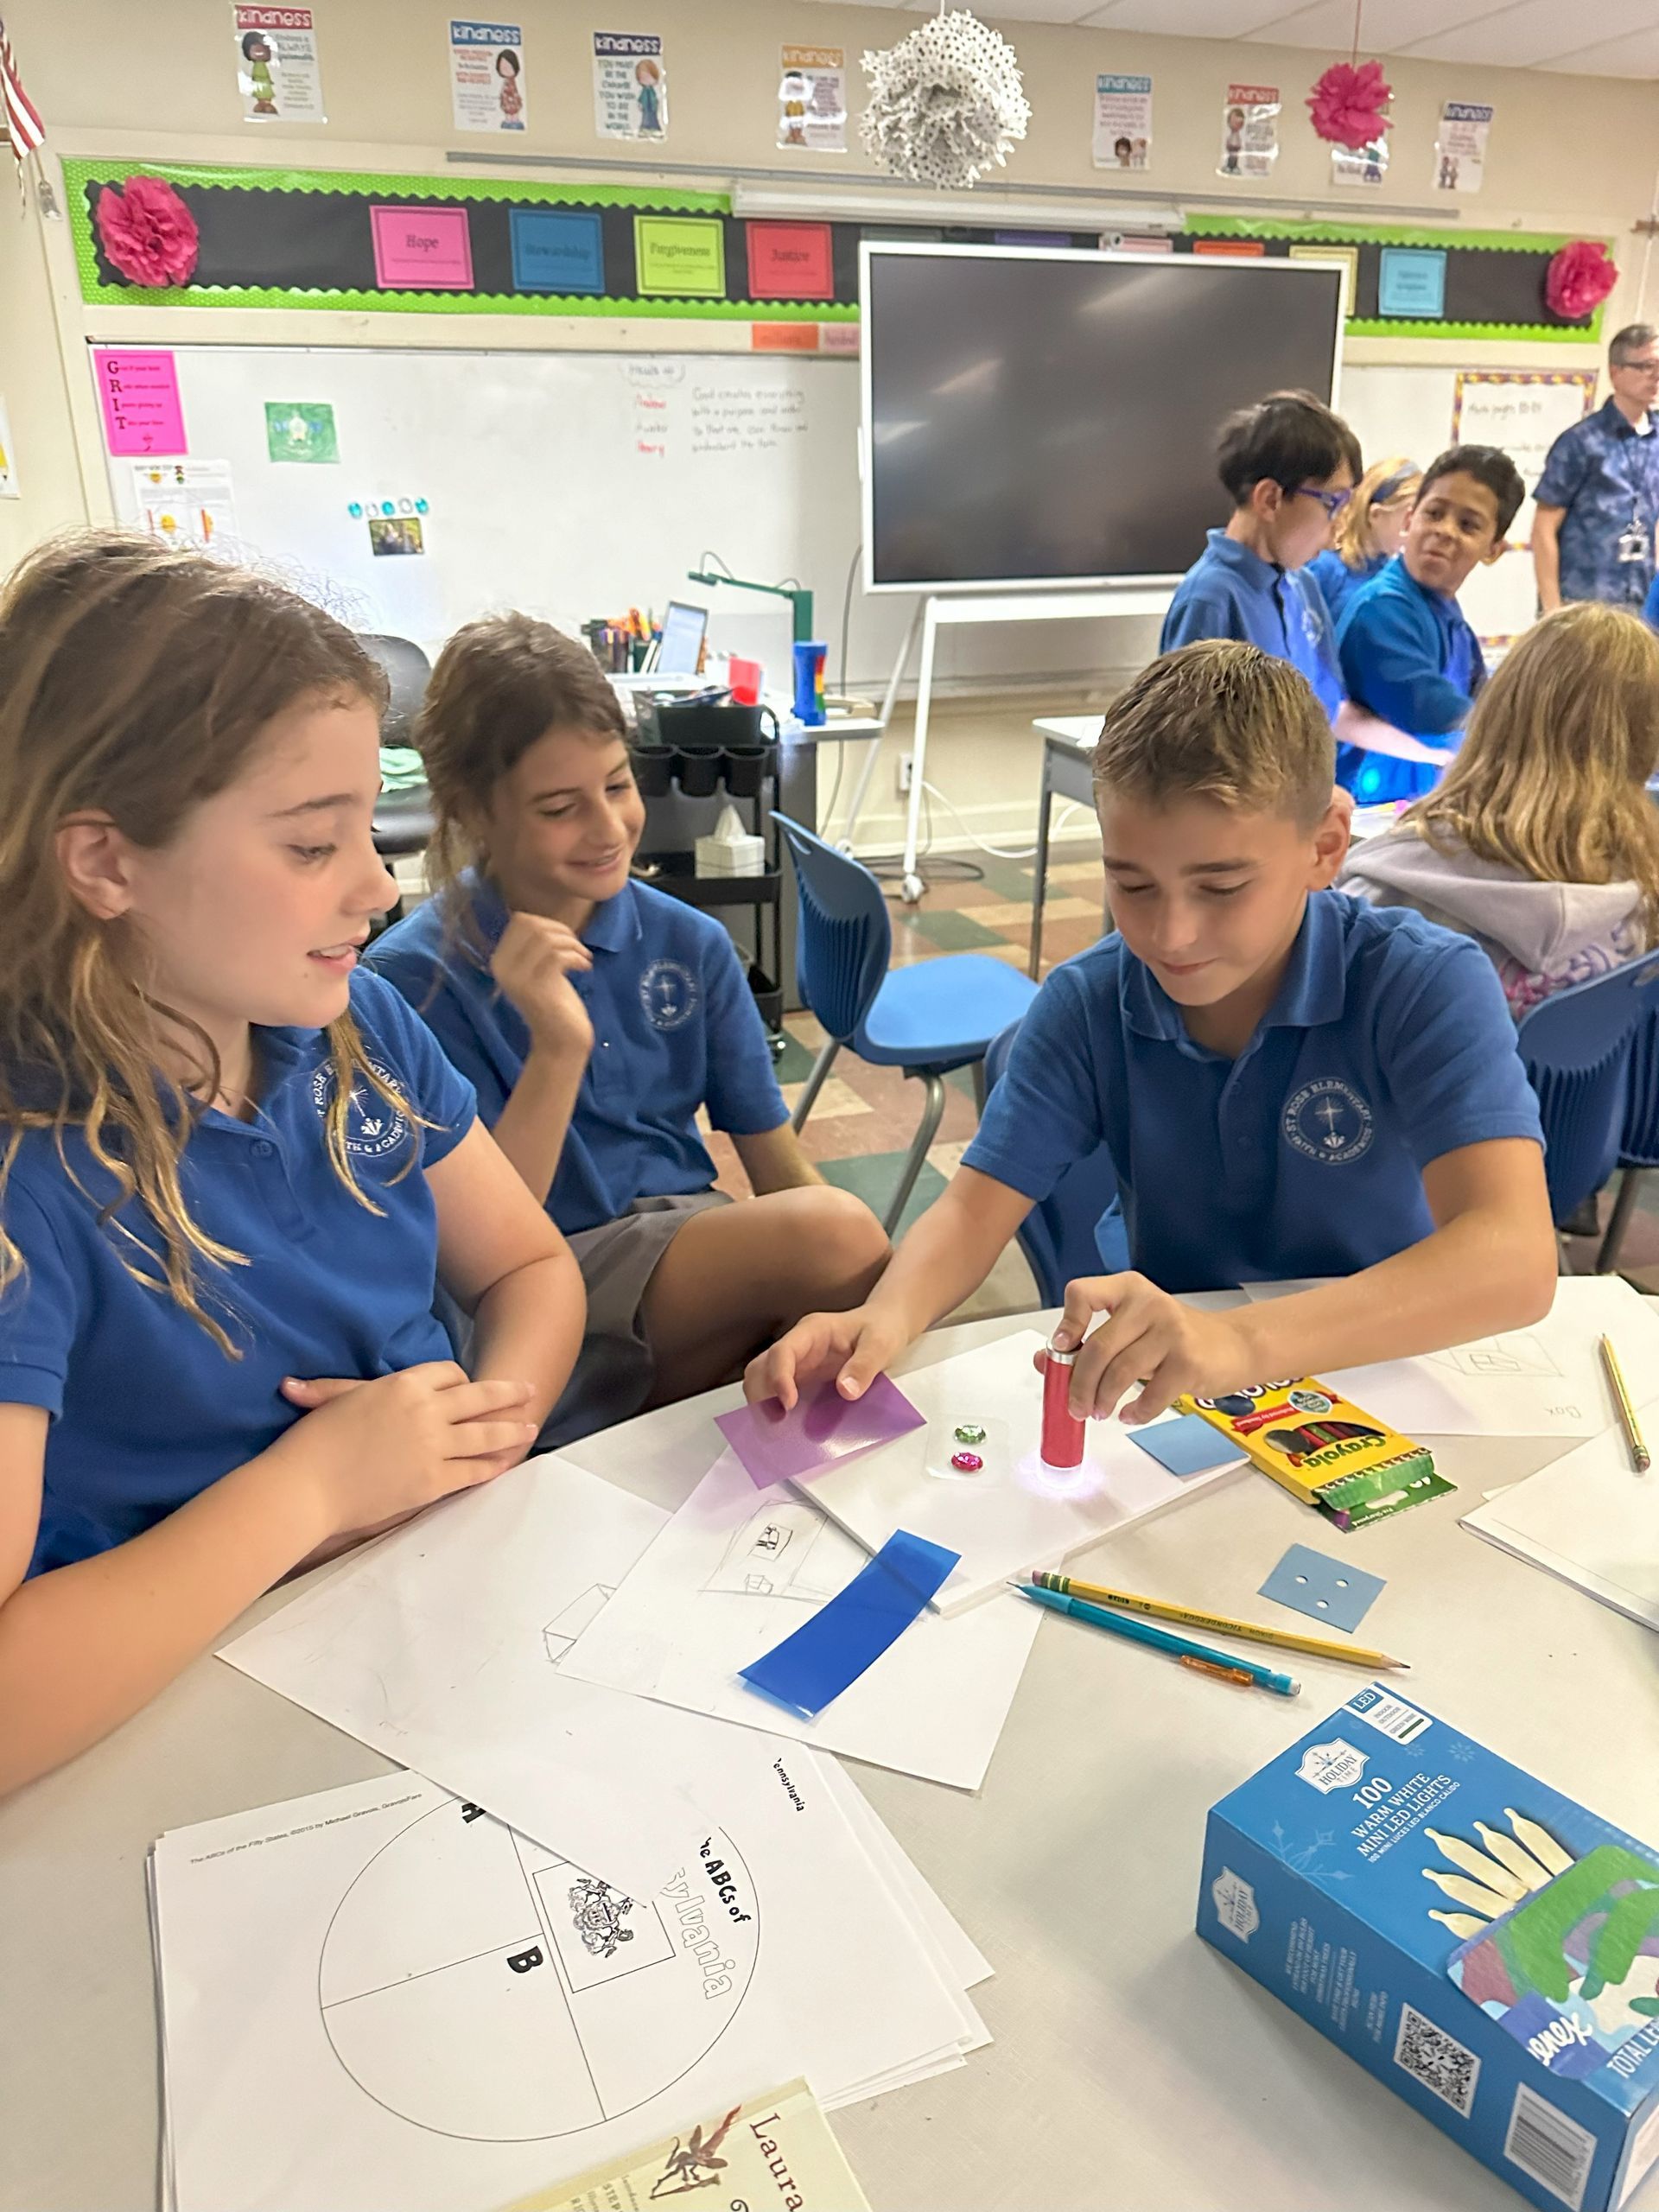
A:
[1597,499]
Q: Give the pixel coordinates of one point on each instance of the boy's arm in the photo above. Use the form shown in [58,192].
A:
[1390,662]
[948,1254]
[1488,1266]
[773,1161]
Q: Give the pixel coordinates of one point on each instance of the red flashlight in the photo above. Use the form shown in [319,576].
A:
[1063,1433]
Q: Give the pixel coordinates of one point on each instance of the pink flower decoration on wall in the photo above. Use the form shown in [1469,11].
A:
[1579,279]
[1347,104]
[148,232]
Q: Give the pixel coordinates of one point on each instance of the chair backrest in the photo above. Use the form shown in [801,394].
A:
[408,671]
[845,939]
[1639,1145]
[1577,1048]
[1058,1236]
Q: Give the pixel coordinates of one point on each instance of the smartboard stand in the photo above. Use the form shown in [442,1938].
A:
[951,612]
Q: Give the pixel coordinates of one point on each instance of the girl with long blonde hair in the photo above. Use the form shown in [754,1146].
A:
[231,1169]
[1370,531]
[1541,840]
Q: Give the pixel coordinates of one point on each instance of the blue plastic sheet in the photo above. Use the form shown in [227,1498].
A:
[848,1634]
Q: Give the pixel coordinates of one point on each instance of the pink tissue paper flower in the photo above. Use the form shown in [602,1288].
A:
[148,233]
[1347,104]
[1579,279]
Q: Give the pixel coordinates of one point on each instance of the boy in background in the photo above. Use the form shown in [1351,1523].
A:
[1408,656]
[1289,1084]
[1289,466]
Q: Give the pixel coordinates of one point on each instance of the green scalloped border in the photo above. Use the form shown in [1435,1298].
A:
[214,176]
[1312,233]
[1277,226]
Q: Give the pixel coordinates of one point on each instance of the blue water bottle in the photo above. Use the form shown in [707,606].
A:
[809,684]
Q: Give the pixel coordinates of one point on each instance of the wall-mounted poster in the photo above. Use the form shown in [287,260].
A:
[277,70]
[630,85]
[813,98]
[486,75]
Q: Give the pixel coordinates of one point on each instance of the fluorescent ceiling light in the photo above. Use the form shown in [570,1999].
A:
[978,210]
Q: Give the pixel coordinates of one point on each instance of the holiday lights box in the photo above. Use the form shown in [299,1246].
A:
[1485,1946]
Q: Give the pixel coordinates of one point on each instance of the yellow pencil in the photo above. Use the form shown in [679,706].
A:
[1640,1458]
[1155,1609]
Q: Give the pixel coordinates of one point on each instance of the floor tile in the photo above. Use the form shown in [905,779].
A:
[834,1102]
[1077,871]
[952,931]
[794,1063]
[1016,912]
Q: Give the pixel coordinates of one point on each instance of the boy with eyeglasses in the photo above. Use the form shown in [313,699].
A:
[1289,466]
[1408,656]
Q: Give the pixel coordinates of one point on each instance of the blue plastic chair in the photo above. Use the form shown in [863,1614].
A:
[1577,1049]
[927,1019]
[1639,1147]
[1058,1236]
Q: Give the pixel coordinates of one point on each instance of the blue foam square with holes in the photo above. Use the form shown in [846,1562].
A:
[1328,1590]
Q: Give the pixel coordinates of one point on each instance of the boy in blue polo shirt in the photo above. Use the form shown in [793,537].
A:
[596,1017]
[1407,655]
[1289,466]
[1289,1084]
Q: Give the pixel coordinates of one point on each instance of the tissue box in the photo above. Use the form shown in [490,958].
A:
[731,850]
[1484,1945]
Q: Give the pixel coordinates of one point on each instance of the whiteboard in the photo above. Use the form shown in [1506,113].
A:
[1419,411]
[572,486]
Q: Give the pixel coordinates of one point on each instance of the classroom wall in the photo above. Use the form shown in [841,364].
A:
[1567,153]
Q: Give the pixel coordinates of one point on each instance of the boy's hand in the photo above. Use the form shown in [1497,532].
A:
[859,1346]
[1151,1338]
[533,963]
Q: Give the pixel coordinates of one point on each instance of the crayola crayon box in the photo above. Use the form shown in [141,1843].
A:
[1321,1448]
[1484,1945]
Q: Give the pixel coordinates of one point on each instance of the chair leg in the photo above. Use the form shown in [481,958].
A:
[813,1084]
[927,1129]
[1630,1185]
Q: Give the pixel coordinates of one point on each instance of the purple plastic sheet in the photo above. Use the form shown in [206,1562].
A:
[819,1429]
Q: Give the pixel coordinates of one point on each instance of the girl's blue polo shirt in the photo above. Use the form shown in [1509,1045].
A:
[1390,1043]
[1230,592]
[676,1028]
[1338,582]
[147,1409]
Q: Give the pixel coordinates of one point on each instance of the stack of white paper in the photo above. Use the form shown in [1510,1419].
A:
[1545,1381]
[379,1995]
[1589,1519]
[438,1645]
[736,1571]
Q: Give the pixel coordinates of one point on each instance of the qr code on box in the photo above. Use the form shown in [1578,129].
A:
[1437,2060]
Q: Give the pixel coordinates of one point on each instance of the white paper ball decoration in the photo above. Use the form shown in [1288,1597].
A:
[946,103]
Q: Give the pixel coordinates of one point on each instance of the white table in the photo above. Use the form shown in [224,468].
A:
[1133,2067]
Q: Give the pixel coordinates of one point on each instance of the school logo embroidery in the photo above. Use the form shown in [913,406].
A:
[1329,1121]
[372,1128]
[669,994]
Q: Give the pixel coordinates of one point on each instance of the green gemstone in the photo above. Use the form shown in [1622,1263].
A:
[970,1432]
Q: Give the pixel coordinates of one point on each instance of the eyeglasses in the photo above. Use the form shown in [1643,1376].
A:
[1333,502]
[1642,368]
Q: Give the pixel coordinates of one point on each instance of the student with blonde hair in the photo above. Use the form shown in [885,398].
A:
[1540,842]
[231,1165]
[1368,532]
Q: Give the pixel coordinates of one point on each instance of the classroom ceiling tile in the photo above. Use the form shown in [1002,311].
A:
[1185,18]
[1532,33]
[1637,55]
[1388,24]
[1609,38]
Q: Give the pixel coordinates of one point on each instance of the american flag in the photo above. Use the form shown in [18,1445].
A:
[22,118]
